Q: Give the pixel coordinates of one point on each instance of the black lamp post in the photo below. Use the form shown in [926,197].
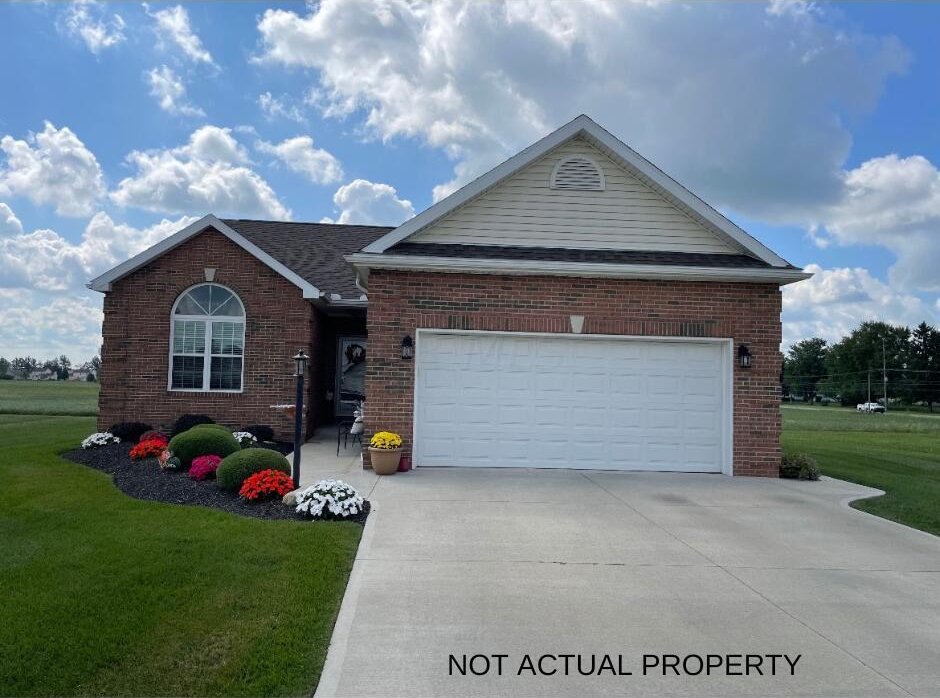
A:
[300,361]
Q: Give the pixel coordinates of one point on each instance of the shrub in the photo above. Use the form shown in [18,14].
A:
[99,439]
[202,442]
[385,440]
[265,484]
[204,467]
[154,436]
[148,449]
[329,499]
[237,467]
[799,466]
[168,461]
[129,431]
[262,432]
[245,438]
[217,427]
[188,421]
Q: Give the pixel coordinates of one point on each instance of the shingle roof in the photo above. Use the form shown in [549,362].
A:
[557,254]
[315,251]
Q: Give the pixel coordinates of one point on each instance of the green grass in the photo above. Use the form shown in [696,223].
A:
[49,397]
[107,595]
[898,453]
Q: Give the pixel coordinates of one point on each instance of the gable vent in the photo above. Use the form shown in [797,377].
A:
[578,172]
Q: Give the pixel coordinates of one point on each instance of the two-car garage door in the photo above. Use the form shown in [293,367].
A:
[493,399]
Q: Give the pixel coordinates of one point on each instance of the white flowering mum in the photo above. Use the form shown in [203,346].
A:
[329,497]
[101,438]
[244,438]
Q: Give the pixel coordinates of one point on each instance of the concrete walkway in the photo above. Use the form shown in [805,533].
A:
[521,562]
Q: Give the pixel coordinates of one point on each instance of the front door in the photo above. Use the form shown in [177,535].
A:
[350,374]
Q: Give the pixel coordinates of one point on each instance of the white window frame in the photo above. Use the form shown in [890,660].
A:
[207,355]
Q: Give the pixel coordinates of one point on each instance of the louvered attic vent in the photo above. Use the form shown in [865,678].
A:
[578,172]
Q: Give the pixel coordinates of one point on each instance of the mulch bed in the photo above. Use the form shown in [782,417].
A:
[145,480]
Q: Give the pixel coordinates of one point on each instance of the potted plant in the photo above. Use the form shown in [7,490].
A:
[385,452]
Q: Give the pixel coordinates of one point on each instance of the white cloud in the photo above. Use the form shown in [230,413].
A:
[369,203]
[170,92]
[9,223]
[173,27]
[86,20]
[835,301]
[750,113]
[52,167]
[895,203]
[44,325]
[210,173]
[316,164]
[280,108]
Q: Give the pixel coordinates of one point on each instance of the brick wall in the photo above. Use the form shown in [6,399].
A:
[400,302]
[135,352]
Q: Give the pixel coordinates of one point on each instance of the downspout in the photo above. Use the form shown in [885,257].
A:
[361,287]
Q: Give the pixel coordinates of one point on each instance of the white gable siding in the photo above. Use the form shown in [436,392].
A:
[525,210]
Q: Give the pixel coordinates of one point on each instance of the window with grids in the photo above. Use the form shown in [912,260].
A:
[207,340]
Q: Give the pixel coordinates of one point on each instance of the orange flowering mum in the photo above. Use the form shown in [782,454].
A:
[266,484]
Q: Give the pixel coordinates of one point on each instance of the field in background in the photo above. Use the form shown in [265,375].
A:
[898,452]
[74,398]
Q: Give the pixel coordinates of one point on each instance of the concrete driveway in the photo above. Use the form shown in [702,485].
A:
[539,562]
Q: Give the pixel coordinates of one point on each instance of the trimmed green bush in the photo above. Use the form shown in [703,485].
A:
[188,421]
[202,442]
[235,468]
[217,427]
[799,466]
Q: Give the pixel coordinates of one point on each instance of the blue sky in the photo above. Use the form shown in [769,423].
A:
[811,125]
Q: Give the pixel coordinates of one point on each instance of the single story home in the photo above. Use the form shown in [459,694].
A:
[574,307]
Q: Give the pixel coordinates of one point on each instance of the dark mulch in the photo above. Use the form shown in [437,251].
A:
[145,480]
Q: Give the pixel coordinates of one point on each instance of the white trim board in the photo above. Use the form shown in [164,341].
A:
[515,267]
[619,152]
[103,283]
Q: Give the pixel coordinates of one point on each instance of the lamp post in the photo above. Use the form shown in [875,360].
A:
[300,368]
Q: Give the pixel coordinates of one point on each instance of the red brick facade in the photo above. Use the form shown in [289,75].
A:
[401,302]
[135,352]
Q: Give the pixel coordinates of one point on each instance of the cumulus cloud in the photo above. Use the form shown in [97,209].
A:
[210,173]
[86,20]
[173,27]
[52,167]
[280,108]
[43,325]
[370,203]
[893,202]
[9,223]
[481,80]
[316,164]
[170,92]
[835,301]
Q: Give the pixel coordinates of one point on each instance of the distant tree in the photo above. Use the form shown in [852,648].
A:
[96,366]
[65,366]
[924,375]
[5,367]
[805,366]
[22,365]
[849,361]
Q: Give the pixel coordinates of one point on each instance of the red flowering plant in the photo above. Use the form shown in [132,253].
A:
[154,435]
[204,467]
[266,484]
[148,449]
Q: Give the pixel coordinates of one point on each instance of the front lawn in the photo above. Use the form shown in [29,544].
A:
[898,453]
[48,397]
[108,595]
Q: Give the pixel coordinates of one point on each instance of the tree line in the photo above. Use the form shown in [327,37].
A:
[21,366]
[874,355]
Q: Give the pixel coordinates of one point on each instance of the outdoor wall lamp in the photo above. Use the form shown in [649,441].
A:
[744,356]
[407,348]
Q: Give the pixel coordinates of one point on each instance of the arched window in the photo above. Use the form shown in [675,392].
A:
[207,340]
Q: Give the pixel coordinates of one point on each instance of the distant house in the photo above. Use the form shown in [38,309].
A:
[80,374]
[41,374]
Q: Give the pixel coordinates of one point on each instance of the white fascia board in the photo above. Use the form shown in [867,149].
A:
[103,282]
[514,267]
[619,150]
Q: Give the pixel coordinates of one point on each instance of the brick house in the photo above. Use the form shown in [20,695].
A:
[575,307]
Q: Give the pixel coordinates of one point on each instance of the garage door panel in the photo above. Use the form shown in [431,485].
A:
[551,401]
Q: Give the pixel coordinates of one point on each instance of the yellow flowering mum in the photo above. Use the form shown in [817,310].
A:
[385,440]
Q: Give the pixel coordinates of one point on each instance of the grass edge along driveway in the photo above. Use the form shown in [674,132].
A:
[898,453]
[108,595]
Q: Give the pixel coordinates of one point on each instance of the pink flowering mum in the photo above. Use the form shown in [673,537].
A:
[204,467]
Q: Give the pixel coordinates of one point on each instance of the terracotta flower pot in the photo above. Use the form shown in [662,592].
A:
[384,460]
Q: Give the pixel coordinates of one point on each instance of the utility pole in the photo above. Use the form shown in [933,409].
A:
[869,385]
[884,371]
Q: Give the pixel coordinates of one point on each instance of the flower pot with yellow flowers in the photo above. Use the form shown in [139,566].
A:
[385,452]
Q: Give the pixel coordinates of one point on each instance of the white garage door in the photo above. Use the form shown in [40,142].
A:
[492,399]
